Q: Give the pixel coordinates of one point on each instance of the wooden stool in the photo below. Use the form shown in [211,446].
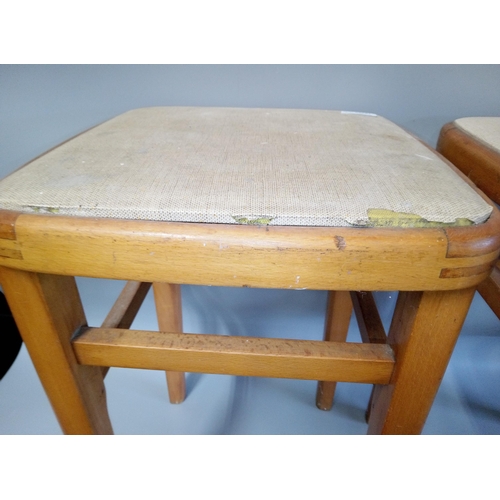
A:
[265,198]
[473,145]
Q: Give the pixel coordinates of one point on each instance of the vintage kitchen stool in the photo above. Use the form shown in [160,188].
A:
[269,198]
[473,145]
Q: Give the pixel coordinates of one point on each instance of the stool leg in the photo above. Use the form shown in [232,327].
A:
[338,316]
[423,333]
[490,291]
[169,313]
[48,311]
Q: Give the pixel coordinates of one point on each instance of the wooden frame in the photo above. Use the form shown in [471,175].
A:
[481,164]
[436,271]
[229,255]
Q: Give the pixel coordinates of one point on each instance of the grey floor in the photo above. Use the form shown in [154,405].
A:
[468,401]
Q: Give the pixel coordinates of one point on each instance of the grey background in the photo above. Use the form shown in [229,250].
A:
[41,106]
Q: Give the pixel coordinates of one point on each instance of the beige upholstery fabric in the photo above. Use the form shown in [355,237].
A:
[486,129]
[223,165]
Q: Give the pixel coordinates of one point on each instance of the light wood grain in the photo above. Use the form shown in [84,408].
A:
[436,270]
[338,316]
[474,158]
[267,257]
[8,225]
[244,356]
[169,313]
[369,322]
[423,333]
[47,311]
[126,307]
[10,249]
[340,306]
[370,327]
[490,291]
[481,165]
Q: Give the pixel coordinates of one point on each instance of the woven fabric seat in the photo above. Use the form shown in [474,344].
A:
[485,129]
[285,199]
[233,166]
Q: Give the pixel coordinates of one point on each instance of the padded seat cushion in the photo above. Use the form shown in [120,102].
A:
[246,166]
[485,129]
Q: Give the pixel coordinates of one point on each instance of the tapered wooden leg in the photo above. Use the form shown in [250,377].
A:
[490,290]
[169,312]
[48,310]
[338,316]
[423,333]
[370,326]
[125,308]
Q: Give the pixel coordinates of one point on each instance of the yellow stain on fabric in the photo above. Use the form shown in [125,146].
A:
[380,217]
[260,221]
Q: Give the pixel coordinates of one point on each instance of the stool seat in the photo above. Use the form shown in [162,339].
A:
[473,145]
[246,166]
[286,199]
[485,129]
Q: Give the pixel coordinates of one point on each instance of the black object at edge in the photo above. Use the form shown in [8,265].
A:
[10,339]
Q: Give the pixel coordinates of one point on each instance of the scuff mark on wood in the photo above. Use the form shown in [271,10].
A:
[340,243]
